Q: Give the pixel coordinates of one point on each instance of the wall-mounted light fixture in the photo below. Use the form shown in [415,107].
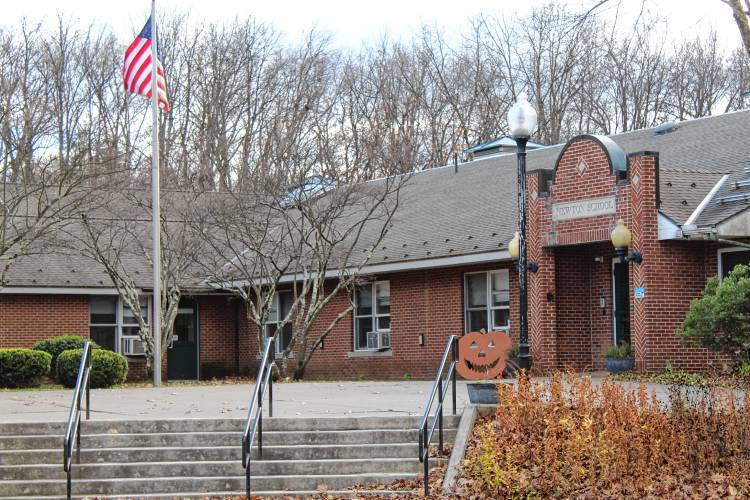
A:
[621,238]
[421,339]
[514,251]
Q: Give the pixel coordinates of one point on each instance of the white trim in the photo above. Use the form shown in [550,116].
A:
[459,260]
[721,251]
[668,230]
[702,206]
[34,290]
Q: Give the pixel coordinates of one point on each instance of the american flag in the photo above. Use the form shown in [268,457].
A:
[136,72]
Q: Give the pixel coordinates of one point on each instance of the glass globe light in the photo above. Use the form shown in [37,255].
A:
[513,247]
[621,235]
[522,117]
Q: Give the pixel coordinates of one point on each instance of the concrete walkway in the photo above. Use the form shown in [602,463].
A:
[305,399]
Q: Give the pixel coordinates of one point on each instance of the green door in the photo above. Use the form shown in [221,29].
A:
[182,353]
[621,289]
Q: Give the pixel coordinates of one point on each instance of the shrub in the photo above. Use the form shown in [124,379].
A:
[55,345]
[618,351]
[513,352]
[570,438]
[670,376]
[107,368]
[744,370]
[720,319]
[23,367]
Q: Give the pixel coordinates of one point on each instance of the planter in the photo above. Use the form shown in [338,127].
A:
[482,393]
[619,365]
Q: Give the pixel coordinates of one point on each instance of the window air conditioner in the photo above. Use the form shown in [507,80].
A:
[378,340]
[132,346]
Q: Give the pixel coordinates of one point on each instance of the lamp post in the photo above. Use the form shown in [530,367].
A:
[522,123]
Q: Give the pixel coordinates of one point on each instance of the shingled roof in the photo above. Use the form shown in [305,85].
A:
[446,213]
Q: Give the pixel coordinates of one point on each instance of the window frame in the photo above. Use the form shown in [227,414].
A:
[278,348]
[488,296]
[719,254]
[120,318]
[114,325]
[374,315]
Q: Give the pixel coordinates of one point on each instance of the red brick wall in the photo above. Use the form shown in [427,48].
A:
[218,317]
[26,319]
[429,302]
[572,330]
[584,327]
[673,273]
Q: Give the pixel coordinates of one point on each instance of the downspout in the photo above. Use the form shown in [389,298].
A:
[236,337]
[713,237]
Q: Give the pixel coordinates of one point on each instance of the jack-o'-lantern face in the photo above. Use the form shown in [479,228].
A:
[482,355]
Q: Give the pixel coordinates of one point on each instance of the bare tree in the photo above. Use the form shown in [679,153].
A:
[741,14]
[117,237]
[34,209]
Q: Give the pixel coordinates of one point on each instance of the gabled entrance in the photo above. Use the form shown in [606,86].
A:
[182,353]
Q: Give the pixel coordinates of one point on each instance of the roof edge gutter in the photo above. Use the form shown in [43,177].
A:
[412,265]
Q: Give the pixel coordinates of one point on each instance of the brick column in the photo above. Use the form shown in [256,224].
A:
[542,311]
[644,185]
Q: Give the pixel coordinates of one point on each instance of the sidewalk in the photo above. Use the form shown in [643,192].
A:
[305,399]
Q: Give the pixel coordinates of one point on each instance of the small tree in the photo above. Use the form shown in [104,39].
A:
[118,238]
[720,319]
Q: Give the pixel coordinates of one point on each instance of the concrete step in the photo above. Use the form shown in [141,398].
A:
[218,425]
[198,439]
[348,493]
[136,486]
[214,453]
[211,468]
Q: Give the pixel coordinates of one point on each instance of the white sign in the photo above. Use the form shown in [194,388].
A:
[583,208]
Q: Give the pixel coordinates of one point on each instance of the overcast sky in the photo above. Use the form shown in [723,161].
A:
[353,22]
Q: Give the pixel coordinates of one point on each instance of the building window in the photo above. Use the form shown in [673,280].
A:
[113,325]
[103,321]
[730,257]
[487,301]
[372,316]
[130,341]
[280,307]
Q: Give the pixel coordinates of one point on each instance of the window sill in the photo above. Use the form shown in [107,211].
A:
[277,356]
[370,354]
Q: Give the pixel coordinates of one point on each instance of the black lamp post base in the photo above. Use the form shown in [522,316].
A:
[524,362]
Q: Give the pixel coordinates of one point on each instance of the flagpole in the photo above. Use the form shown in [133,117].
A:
[156,209]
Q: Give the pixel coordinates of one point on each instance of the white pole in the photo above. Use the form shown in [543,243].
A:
[155,212]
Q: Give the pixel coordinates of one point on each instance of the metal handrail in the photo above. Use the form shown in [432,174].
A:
[439,387]
[73,428]
[254,420]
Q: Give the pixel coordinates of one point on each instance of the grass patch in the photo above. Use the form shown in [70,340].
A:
[670,376]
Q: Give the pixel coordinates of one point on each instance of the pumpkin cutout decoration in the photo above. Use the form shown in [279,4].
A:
[482,355]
